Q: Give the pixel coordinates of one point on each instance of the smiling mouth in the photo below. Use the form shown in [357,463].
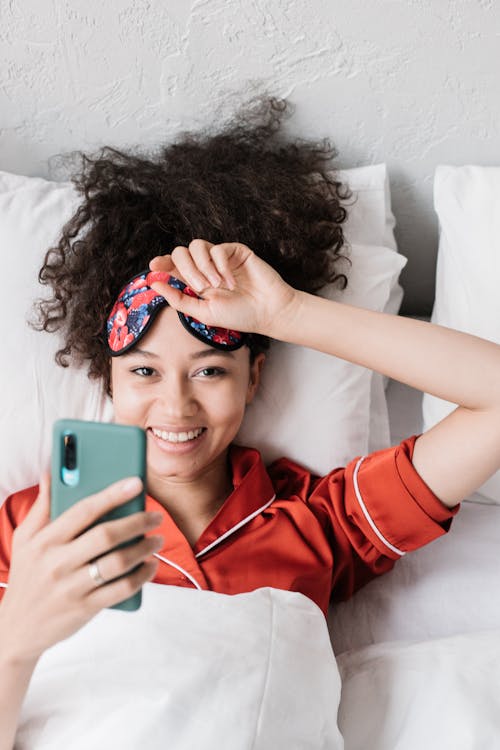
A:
[177,437]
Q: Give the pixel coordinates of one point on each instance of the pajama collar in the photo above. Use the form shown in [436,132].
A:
[253,492]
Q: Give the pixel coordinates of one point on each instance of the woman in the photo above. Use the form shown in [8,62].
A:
[220,509]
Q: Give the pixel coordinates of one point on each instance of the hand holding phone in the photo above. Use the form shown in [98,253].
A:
[50,593]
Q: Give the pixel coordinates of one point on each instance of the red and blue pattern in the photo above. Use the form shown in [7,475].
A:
[137,306]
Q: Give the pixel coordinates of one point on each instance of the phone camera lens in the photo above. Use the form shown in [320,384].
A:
[69,452]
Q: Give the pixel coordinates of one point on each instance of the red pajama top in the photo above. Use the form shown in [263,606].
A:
[287,528]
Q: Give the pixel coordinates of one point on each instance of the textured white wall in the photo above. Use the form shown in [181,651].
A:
[411,83]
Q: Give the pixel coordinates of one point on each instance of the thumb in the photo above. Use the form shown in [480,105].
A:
[39,513]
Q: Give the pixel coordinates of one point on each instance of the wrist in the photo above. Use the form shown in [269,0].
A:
[12,655]
[15,660]
[14,664]
[287,317]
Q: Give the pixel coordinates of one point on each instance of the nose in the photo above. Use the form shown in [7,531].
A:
[177,399]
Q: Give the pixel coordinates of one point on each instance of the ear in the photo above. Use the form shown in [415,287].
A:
[255,374]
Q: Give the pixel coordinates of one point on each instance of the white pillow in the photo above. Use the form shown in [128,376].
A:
[371,221]
[467,202]
[34,391]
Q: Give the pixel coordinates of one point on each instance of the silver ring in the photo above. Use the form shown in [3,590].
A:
[95,573]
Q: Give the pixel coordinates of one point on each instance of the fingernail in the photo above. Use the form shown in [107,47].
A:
[155,518]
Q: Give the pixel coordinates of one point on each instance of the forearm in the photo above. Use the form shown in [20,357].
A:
[455,366]
[15,676]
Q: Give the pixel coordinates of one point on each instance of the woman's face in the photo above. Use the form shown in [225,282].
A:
[172,383]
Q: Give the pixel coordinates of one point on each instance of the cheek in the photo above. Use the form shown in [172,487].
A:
[128,405]
[229,405]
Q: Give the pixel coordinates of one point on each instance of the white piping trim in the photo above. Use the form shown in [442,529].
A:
[181,570]
[365,511]
[4,585]
[235,528]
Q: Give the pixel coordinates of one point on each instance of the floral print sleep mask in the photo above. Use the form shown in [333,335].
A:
[137,306]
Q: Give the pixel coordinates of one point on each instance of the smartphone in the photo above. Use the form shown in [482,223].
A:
[89,456]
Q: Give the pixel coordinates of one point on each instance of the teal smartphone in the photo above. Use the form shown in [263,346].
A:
[89,456]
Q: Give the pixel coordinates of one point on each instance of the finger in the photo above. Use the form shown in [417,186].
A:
[84,513]
[38,515]
[187,266]
[221,256]
[179,301]
[120,562]
[117,591]
[162,263]
[105,536]
[200,251]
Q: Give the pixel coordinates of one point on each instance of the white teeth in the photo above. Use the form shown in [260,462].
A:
[177,437]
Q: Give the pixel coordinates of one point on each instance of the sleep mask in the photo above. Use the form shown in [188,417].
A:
[137,306]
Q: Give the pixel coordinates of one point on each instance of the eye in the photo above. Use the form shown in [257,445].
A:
[144,372]
[212,371]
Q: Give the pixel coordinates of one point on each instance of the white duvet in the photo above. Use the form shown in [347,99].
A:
[190,670]
[196,670]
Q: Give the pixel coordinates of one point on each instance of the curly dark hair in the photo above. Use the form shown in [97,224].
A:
[246,183]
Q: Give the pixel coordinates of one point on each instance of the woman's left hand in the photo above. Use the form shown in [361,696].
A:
[239,290]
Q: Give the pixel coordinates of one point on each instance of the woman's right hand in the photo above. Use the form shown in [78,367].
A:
[50,594]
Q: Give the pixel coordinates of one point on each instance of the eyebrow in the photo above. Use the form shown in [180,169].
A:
[202,353]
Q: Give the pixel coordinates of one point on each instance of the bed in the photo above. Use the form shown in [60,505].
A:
[411,661]
[419,649]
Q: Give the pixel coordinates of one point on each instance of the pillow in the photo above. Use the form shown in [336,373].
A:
[35,391]
[371,221]
[434,694]
[467,202]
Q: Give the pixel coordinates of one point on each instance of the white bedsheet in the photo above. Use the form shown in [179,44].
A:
[439,695]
